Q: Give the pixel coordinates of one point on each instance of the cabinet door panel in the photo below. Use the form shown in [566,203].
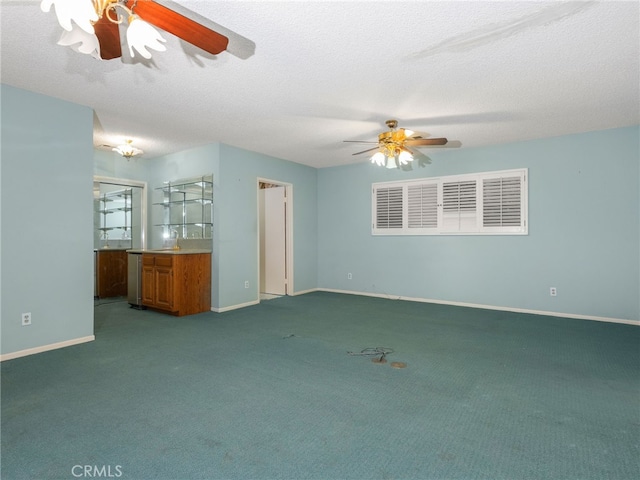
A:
[148,286]
[164,287]
[112,273]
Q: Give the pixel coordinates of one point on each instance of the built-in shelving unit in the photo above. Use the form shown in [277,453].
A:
[114,216]
[187,208]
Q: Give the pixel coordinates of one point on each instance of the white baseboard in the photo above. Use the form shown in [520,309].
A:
[302,292]
[255,302]
[486,307]
[46,348]
[235,307]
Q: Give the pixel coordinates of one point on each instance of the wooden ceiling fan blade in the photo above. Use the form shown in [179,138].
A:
[179,25]
[108,35]
[357,141]
[365,151]
[423,142]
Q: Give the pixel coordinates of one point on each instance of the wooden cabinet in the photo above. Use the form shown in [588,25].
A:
[111,273]
[179,284]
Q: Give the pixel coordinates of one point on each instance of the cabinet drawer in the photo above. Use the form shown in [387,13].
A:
[164,260]
[157,260]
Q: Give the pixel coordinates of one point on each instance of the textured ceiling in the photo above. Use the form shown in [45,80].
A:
[301,77]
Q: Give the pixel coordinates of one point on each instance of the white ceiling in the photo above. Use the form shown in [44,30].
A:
[301,77]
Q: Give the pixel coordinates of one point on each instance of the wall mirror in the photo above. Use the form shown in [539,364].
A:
[118,214]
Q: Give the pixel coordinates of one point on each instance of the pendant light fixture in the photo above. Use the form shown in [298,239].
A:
[127,150]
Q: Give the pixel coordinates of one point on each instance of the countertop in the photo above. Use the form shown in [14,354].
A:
[170,251]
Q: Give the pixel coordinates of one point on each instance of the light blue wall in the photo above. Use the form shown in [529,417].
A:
[584,224]
[235,234]
[237,199]
[46,216]
[584,231]
[111,164]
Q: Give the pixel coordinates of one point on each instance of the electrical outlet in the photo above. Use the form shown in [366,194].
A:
[553,291]
[349,276]
[26,319]
[246,284]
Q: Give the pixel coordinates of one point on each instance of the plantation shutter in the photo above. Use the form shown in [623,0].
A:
[422,205]
[502,202]
[487,203]
[459,206]
[388,208]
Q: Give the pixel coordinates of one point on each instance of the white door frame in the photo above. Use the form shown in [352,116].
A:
[288,189]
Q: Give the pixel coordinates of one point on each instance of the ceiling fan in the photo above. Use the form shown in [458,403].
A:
[97,27]
[395,148]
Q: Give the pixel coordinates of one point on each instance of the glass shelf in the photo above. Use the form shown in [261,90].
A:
[187,207]
[201,201]
[113,217]
[114,210]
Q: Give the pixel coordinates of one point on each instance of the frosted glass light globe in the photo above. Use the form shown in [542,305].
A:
[81,12]
[141,35]
[378,158]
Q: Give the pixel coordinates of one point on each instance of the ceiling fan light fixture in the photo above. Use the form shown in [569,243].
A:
[81,12]
[378,158]
[141,35]
[127,150]
[80,41]
[405,157]
[391,163]
[394,149]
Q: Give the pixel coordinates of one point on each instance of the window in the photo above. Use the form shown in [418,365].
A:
[480,203]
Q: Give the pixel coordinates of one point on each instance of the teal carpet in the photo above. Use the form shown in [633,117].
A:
[269,392]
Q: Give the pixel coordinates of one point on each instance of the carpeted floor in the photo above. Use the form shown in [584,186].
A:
[269,392]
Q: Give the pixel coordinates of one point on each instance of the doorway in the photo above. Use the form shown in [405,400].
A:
[275,205]
[119,225]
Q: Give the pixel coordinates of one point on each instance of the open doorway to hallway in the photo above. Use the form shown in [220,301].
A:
[275,206]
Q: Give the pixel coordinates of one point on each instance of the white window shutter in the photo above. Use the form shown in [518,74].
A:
[488,203]
[502,202]
[422,205]
[389,208]
[459,206]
